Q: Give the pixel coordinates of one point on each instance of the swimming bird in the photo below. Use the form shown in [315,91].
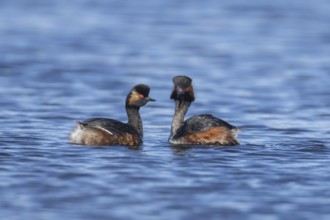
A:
[202,129]
[104,131]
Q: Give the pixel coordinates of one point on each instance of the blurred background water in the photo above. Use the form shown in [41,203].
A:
[260,65]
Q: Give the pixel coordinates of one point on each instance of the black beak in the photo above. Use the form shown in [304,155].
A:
[180,93]
[150,99]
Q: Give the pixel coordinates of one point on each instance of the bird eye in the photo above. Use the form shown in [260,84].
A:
[141,96]
[187,89]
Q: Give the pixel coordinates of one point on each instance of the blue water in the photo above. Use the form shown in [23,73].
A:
[260,65]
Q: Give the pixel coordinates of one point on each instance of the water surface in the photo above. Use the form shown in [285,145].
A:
[263,66]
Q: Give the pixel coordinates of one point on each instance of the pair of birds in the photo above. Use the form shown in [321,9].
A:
[198,130]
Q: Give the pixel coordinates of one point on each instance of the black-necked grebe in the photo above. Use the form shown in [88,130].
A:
[197,130]
[104,131]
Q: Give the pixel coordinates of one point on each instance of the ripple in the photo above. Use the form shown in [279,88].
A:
[2,154]
[70,176]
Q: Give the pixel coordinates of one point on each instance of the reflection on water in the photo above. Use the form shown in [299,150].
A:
[181,150]
[262,66]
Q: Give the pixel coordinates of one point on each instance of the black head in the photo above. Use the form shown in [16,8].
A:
[138,96]
[183,89]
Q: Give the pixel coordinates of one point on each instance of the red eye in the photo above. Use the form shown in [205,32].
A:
[141,96]
[187,89]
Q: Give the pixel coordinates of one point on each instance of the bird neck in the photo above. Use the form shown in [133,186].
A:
[134,119]
[181,109]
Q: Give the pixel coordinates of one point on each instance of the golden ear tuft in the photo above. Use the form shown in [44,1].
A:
[134,97]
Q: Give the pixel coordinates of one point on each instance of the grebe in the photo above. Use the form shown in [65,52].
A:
[104,131]
[200,129]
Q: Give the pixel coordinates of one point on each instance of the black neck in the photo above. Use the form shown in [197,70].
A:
[181,109]
[134,119]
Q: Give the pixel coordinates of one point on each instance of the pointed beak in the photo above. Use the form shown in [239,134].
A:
[180,93]
[150,99]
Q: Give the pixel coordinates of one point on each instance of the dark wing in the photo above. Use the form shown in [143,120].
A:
[202,123]
[113,126]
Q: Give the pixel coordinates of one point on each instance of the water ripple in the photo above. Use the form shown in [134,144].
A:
[262,66]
